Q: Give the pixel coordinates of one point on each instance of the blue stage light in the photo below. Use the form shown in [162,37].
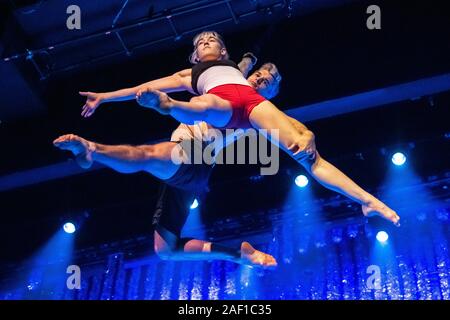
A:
[398,159]
[382,236]
[69,227]
[194,204]
[301,181]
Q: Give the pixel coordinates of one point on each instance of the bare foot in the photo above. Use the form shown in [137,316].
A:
[251,256]
[154,99]
[376,207]
[81,148]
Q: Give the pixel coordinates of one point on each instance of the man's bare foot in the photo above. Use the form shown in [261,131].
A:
[155,99]
[81,148]
[251,256]
[376,207]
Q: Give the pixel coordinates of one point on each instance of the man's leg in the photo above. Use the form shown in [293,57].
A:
[154,159]
[171,214]
[169,247]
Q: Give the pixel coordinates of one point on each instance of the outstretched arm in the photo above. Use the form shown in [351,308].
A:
[179,81]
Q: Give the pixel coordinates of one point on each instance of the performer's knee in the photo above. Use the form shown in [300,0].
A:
[181,243]
[163,248]
[167,251]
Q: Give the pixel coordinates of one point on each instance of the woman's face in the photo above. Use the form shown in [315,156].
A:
[209,49]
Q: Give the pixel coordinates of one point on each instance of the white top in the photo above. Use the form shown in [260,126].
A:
[199,131]
[219,75]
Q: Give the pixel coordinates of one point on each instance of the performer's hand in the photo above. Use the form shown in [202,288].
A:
[140,92]
[304,149]
[154,99]
[310,147]
[93,100]
[251,56]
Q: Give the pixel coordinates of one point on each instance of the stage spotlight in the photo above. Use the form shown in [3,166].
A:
[194,204]
[301,181]
[382,236]
[398,159]
[69,227]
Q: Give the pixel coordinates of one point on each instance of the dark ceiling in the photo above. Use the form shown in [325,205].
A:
[38,44]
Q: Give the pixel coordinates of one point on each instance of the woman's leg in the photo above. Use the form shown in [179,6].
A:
[208,107]
[296,142]
[267,116]
[154,159]
[334,179]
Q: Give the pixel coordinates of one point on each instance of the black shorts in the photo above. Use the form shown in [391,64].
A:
[172,209]
[176,195]
[191,176]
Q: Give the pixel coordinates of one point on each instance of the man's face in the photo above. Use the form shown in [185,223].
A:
[261,80]
[209,49]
